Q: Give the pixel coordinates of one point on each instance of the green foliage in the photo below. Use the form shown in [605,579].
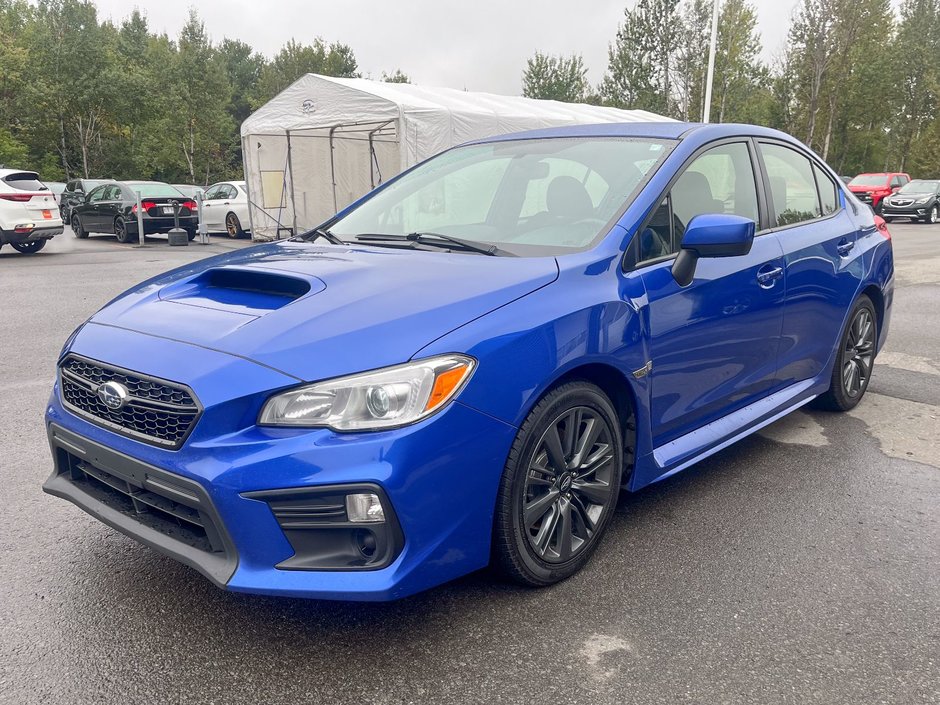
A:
[397,77]
[555,78]
[84,97]
[857,82]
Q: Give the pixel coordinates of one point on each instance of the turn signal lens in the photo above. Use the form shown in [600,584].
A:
[445,384]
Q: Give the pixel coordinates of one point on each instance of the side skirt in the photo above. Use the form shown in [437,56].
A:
[677,455]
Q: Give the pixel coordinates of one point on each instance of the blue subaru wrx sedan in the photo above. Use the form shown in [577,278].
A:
[467,365]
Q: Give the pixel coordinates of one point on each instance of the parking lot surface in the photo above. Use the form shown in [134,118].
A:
[801,565]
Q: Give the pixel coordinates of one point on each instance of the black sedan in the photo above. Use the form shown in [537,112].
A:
[917,200]
[112,208]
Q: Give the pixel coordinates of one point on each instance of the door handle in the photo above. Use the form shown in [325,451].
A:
[768,274]
[844,247]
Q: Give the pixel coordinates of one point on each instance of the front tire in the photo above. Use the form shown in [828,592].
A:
[854,359]
[933,215]
[28,248]
[560,486]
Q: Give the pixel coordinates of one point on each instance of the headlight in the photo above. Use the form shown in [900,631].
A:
[386,398]
[923,200]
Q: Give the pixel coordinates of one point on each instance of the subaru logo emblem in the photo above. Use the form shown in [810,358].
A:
[113,395]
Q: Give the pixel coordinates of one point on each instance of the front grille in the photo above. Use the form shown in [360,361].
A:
[156,411]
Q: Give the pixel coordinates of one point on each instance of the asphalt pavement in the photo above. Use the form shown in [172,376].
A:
[801,565]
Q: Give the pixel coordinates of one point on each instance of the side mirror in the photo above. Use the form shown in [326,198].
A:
[711,235]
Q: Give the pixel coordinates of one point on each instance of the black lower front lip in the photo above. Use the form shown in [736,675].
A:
[169,513]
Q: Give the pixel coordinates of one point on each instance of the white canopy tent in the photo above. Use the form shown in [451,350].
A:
[323,142]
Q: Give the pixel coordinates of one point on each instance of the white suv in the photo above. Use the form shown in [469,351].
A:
[29,214]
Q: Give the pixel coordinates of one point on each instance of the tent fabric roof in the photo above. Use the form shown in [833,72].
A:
[315,101]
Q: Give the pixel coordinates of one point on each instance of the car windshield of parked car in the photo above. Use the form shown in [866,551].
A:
[920,186]
[156,190]
[869,180]
[526,197]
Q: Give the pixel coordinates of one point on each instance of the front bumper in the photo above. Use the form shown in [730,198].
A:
[45,233]
[440,476]
[912,211]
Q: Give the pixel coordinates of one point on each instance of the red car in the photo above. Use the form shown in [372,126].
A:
[872,188]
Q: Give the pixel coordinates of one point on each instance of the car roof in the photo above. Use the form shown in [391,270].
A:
[701,132]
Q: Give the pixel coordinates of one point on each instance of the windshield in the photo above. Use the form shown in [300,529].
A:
[155,190]
[869,180]
[547,196]
[920,186]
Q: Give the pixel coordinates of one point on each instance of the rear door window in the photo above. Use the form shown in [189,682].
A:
[792,185]
[828,200]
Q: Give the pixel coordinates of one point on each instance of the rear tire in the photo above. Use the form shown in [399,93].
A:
[233,226]
[854,359]
[120,230]
[77,228]
[28,248]
[560,486]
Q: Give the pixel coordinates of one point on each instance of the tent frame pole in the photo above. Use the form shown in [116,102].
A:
[333,164]
[373,157]
[251,220]
[293,202]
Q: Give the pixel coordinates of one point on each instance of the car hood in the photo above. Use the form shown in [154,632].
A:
[863,189]
[321,311]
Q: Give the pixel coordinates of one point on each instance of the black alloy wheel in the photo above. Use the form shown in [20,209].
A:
[29,248]
[560,486]
[77,228]
[120,230]
[855,359]
[232,226]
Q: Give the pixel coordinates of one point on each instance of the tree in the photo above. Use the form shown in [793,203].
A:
[200,122]
[295,59]
[555,78]
[738,73]
[642,59]
[397,77]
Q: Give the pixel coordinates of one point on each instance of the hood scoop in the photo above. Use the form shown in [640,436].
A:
[245,290]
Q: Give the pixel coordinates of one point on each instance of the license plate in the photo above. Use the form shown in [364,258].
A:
[47,215]
[167,210]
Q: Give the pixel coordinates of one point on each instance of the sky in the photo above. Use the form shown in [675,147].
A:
[480,45]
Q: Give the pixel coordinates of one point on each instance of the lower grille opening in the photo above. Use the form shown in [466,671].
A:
[158,511]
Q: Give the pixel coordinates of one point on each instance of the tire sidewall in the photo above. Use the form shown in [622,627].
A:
[238,225]
[77,229]
[512,490]
[120,230]
[845,401]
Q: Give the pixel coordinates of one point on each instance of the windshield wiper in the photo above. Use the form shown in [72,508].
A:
[324,233]
[438,240]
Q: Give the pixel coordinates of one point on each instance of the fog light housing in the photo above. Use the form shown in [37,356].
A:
[364,508]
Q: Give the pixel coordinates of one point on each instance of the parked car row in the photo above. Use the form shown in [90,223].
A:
[33,211]
[895,195]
